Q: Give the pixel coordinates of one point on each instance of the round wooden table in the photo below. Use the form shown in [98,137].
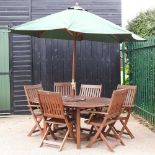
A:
[83,103]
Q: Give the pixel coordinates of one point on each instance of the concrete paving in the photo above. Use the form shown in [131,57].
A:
[14,141]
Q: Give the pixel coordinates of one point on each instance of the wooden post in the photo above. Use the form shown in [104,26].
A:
[123,61]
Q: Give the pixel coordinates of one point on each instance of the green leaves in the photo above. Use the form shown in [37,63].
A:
[143,24]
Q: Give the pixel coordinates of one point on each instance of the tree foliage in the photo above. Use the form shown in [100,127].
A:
[143,24]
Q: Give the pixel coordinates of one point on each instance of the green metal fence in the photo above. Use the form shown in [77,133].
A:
[142,73]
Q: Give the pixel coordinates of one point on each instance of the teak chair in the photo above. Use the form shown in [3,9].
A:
[101,120]
[127,105]
[89,91]
[65,88]
[53,112]
[31,92]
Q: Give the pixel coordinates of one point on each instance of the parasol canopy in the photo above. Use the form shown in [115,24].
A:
[76,23]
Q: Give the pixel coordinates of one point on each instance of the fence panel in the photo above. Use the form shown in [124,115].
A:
[142,73]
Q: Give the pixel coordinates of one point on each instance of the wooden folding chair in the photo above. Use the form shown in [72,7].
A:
[53,112]
[89,91]
[127,106]
[101,120]
[65,88]
[31,92]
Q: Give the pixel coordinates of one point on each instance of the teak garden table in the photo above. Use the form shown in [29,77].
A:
[87,103]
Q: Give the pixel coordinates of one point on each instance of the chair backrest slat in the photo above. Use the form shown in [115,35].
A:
[51,104]
[129,101]
[117,100]
[31,92]
[65,88]
[90,90]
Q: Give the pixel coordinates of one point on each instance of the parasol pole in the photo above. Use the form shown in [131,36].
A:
[73,64]
[74,35]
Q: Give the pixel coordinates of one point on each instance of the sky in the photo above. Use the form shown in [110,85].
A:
[131,8]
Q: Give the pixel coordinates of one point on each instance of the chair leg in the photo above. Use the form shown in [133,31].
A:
[33,130]
[124,123]
[71,133]
[37,122]
[99,133]
[90,132]
[52,132]
[111,128]
[65,138]
[106,142]
[117,135]
[44,137]
[108,131]
[94,137]
[38,125]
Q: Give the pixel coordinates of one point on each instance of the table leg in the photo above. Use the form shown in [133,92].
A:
[78,132]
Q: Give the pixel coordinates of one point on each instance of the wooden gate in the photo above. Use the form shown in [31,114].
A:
[4,72]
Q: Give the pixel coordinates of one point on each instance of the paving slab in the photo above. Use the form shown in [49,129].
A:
[14,140]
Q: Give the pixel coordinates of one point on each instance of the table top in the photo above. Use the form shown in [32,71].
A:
[89,102]
[83,102]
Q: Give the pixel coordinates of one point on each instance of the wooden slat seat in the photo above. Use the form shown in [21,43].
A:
[58,120]
[31,92]
[52,107]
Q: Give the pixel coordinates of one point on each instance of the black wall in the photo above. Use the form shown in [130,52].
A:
[46,61]
[15,12]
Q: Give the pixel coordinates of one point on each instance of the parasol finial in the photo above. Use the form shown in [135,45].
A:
[76,4]
[77,7]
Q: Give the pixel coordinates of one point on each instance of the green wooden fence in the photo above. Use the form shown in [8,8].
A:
[142,73]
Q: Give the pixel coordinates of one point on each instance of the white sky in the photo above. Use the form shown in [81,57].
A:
[131,8]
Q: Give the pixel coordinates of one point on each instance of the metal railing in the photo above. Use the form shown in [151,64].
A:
[141,57]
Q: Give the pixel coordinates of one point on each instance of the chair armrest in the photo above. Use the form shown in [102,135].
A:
[128,106]
[105,115]
[98,112]
[35,106]
[93,113]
